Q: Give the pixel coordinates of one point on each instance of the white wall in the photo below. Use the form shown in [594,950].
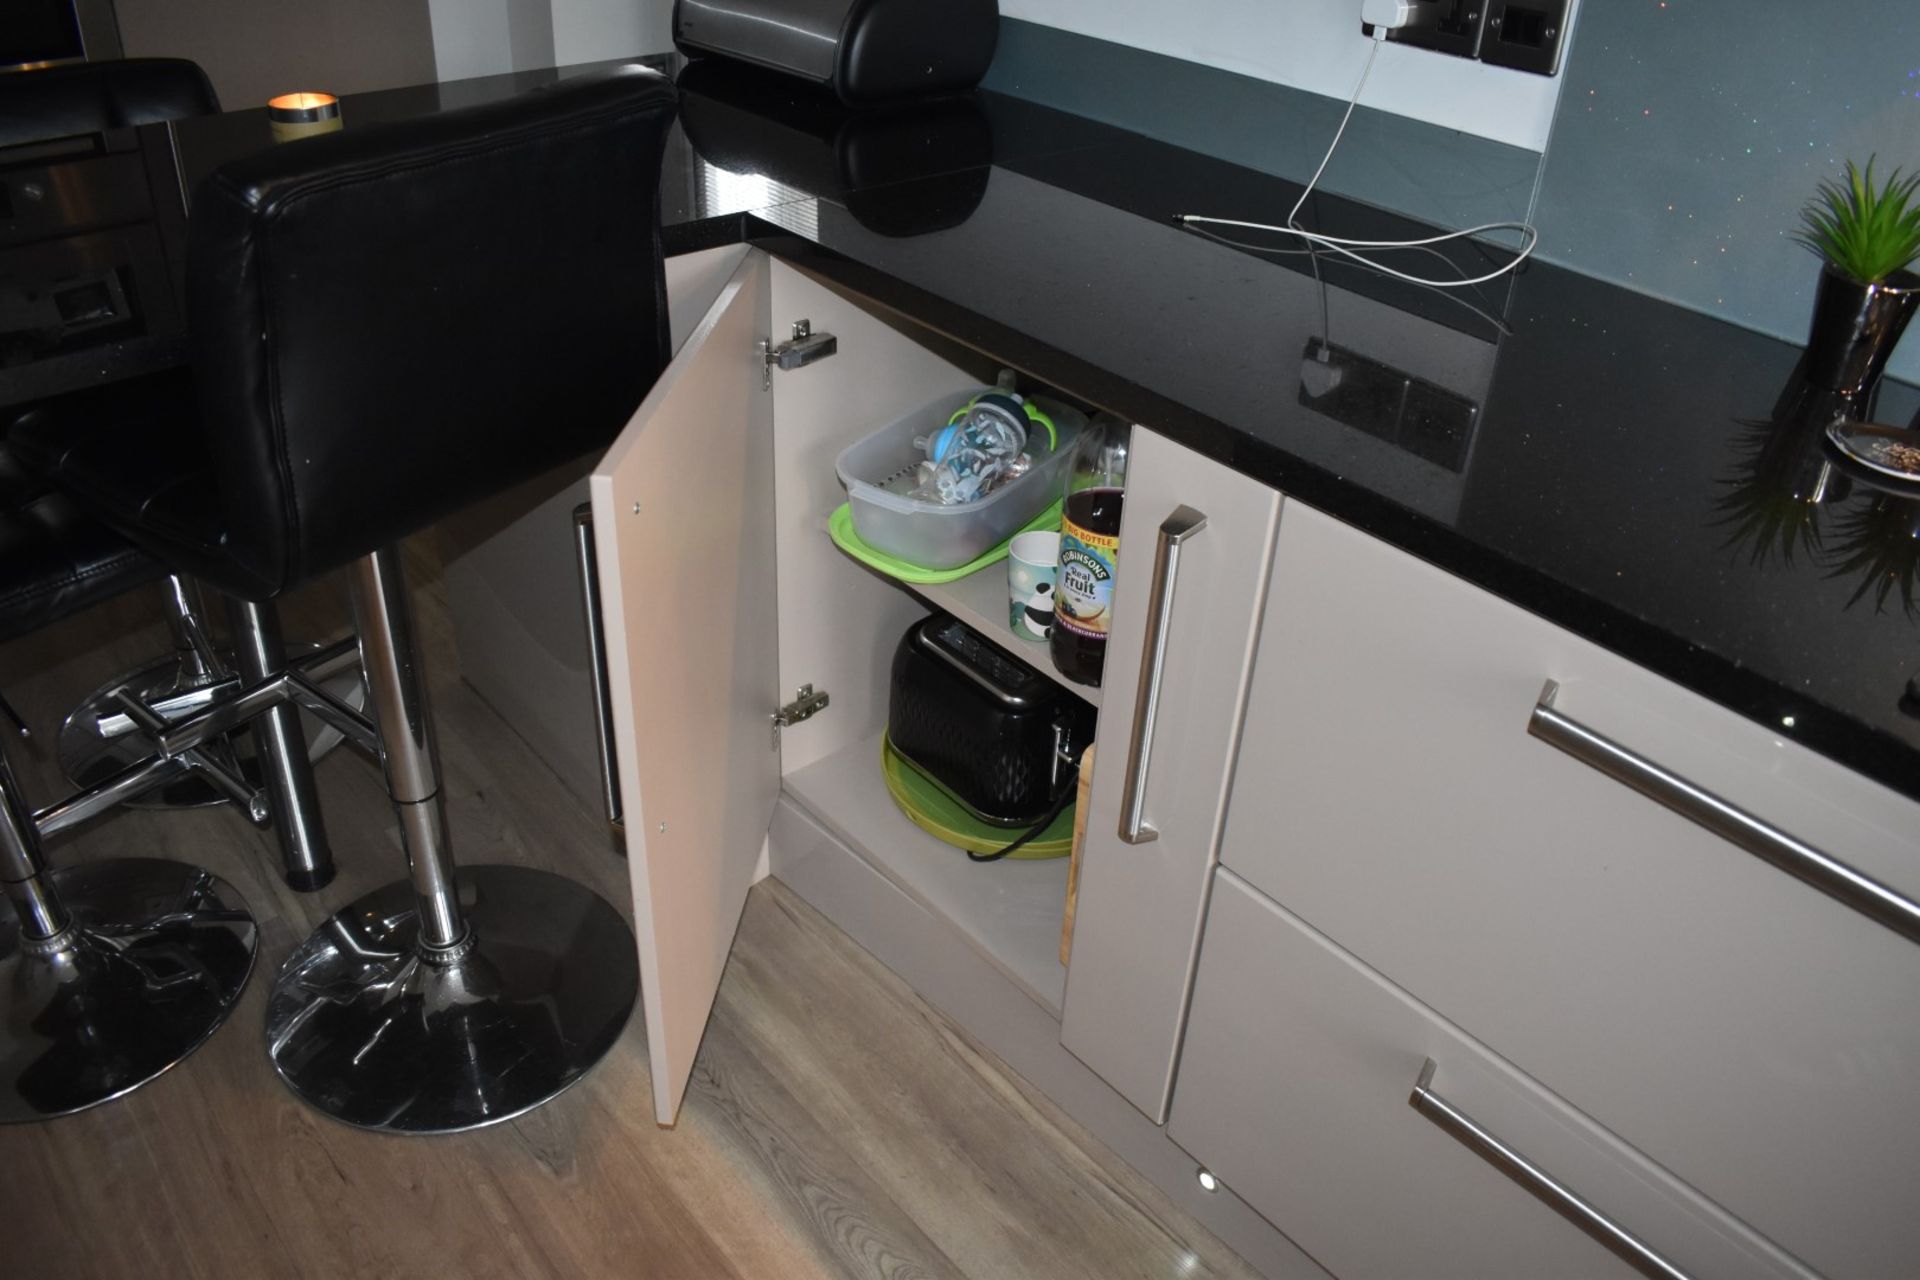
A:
[486,37]
[253,50]
[1316,45]
[470,38]
[590,30]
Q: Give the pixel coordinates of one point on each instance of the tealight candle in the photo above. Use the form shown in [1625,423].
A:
[302,115]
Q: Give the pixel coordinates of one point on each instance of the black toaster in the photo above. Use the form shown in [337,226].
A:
[991,732]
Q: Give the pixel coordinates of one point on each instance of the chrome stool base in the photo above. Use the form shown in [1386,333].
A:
[381,1034]
[88,757]
[153,962]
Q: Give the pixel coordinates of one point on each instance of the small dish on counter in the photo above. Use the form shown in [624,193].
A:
[1893,452]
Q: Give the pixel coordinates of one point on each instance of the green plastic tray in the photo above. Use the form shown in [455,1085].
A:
[840,529]
[940,816]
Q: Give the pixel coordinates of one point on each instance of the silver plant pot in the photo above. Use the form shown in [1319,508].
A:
[1856,327]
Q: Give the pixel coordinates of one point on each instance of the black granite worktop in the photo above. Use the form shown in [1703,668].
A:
[1635,472]
[1628,469]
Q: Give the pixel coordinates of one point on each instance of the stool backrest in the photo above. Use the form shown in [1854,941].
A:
[390,323]
[86,97]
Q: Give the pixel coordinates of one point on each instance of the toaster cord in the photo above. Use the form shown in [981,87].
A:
[1059,807]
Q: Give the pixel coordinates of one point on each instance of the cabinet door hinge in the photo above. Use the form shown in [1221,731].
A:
[805,705]
[801,350]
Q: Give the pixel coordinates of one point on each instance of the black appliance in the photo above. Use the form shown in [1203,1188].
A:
[866,51]
[991,732]
[900,171]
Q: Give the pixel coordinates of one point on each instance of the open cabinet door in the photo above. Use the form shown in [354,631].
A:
[683,532]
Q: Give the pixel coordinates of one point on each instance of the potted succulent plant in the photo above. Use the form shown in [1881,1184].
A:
[1868,234]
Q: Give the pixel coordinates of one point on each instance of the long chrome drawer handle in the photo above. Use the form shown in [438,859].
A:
[1465,1130]
[1174,532]
[597,664]
[1757,836]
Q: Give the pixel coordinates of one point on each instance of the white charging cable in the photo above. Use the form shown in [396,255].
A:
[1344,246]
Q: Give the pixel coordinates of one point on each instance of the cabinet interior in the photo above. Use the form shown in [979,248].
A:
[841,621]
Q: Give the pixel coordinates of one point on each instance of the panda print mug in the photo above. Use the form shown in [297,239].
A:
[1032,559]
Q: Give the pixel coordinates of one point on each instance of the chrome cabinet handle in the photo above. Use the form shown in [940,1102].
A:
[1465,1130]
[1757,836]
[1174,532]
[597,665]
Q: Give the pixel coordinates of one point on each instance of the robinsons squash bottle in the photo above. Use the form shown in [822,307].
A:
[1089,550]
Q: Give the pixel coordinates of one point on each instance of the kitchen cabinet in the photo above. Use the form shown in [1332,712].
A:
[1323,849]
[1295,1084]
[721,595]
[1159,795]
[1738,1030]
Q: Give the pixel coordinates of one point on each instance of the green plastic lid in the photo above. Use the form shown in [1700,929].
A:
[840,529]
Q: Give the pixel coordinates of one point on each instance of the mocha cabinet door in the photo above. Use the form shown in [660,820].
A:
[1174,689]
[683,526]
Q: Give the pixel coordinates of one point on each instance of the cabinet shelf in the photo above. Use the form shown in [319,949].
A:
[980,601]
[1009,910]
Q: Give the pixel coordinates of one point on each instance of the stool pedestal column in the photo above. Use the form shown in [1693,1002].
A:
[281,746]
[407,750]
[461,996]
[24,871]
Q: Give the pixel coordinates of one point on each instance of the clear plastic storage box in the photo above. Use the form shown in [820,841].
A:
[879,470]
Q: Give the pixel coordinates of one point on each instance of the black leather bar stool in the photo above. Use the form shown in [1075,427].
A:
[54,559]
[86,97]
[58,102]
[98,740]
[389,324]
[110,972]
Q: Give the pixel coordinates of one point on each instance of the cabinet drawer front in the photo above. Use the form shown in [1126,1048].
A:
[1137,924]
[1294,1090]
[1751,1034]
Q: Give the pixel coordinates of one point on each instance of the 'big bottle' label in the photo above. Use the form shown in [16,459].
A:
[1083,598]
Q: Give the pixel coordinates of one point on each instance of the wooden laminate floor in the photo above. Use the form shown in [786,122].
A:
[837,1125]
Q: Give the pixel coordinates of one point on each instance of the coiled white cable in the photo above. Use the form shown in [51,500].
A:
[1345,246]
